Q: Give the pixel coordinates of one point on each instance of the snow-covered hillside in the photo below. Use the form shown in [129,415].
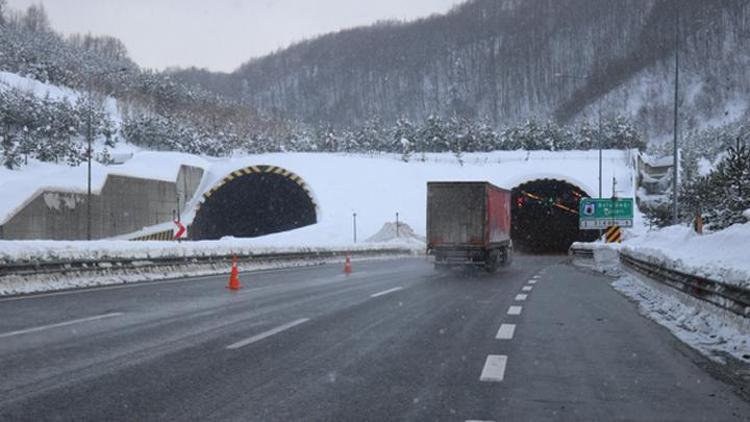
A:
[55,93]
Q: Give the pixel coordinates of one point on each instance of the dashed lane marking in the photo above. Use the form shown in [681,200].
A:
[527,288]
[521,297]
[386,292]
[60,324]
[515,310]
[266,334]
[532,281]
[506,332]
[494,368]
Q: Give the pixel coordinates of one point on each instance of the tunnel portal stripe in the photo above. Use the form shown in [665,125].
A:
[258,170]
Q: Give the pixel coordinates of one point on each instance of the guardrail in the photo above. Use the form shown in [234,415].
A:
[581,253]
[122,264]
[732,298]
[727,296]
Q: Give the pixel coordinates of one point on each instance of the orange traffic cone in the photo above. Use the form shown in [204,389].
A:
[234,276]
[348,265]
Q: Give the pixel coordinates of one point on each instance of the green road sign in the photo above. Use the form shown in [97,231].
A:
[598,214]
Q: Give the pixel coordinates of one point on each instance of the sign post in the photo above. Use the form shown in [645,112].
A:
[597,214]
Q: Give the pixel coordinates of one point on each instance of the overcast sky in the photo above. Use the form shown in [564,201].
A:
[219,34]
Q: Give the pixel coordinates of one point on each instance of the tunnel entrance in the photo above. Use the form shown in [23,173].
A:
[545,216]
[253,202]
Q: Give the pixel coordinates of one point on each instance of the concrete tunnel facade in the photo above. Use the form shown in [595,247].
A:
[252,202]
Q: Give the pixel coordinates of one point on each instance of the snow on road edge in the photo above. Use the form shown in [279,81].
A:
[710,330]
[43,283]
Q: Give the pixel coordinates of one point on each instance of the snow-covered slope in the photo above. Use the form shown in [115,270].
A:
[55,93]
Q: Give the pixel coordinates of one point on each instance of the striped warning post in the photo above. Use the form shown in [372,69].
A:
[166,235]
[613,234]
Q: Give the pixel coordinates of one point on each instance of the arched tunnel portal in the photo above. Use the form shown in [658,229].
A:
[252,202]
[544,217]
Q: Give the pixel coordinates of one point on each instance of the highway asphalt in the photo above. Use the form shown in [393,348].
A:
[395,340]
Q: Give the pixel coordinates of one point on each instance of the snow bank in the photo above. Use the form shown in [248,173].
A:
[710,330]
[31,251]
[71,279]
[722,256]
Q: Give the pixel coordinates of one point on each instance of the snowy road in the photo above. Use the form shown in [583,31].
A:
[394,341]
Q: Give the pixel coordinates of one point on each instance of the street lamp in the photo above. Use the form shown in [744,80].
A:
[89,140]
[599,130]
[675,154]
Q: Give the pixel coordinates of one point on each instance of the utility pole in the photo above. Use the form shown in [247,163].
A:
[88,159]
[396,224]
[601,143]
[675,153]
[354,219]
[177,217]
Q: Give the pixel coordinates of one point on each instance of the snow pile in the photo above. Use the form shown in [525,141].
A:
[606,257]
[37,283]
[388,234]
[722,256]
[710,330]
[39,251]
[746,214]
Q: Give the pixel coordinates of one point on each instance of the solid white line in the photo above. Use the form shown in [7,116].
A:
[494,368]
[527,288]
[521,297]
[266,334]
[506,332]
[532,281]
[515,310]
[385,292]
[60,324]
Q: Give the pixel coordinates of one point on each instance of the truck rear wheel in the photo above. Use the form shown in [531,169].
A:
[492,262]
[507,256]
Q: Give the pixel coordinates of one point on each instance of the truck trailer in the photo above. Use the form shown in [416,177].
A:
[468,224]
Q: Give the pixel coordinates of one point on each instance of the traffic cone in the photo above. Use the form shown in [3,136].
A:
[234,276]
[348,265]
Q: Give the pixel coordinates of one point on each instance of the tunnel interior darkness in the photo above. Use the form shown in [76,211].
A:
[544,217]
[254,205]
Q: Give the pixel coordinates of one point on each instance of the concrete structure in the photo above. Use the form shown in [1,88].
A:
[269,195]
[125,205]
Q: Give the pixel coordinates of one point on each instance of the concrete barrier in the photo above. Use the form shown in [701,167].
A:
[124,205]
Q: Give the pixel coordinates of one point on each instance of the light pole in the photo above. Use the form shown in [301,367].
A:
[599,129]
[675,154]
[89,141]
[354,219]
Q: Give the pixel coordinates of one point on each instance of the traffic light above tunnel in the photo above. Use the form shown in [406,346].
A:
[545,216]
[252,202]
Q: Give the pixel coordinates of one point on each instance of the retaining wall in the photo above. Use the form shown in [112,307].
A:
[125,205]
